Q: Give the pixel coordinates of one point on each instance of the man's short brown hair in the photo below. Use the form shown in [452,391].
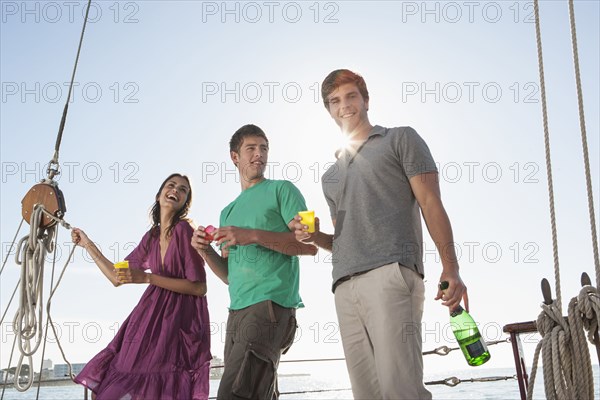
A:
[340,77]
[245,131]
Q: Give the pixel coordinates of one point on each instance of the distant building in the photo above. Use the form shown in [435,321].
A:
[62,370]
[47,372]
[47,364]
[216,368]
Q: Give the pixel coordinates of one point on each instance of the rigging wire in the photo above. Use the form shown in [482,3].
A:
[46,327]
[53,165]
[11,246]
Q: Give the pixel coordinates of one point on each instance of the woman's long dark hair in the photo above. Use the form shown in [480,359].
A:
[178,216]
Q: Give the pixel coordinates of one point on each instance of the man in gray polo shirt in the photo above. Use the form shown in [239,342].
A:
[376,191]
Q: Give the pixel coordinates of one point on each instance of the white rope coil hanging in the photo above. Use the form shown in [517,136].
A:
[27,324]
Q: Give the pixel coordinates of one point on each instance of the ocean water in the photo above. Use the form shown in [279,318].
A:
[318,386]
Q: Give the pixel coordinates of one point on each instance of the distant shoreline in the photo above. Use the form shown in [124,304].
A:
[50,382]
[68,381]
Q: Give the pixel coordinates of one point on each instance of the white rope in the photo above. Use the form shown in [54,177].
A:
[538,34]
[584,144]
[27,324]
[583,311]
[557,355]
[536,357]
[50,322]
[567,365]
[589,307]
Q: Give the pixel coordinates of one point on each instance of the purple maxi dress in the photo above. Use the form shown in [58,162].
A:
[162,350]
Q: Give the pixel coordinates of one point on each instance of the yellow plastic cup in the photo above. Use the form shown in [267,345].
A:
[308,219]
[122,265]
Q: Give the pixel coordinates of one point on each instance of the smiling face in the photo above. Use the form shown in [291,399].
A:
[174,194]
[251,159]
[348,108]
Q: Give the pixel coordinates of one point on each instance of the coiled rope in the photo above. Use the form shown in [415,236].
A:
[558,361]
[567,365]
[27,324]
[584,311]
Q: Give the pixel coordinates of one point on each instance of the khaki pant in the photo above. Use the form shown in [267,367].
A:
[380,316]
[255,339]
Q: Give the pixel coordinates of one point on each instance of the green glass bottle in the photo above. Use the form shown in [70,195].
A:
[467,335]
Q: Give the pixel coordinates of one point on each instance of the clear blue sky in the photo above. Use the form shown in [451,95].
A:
[162,86]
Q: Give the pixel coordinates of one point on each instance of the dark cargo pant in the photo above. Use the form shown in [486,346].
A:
[255,339]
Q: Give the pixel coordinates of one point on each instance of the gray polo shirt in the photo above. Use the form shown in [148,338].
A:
[377,217]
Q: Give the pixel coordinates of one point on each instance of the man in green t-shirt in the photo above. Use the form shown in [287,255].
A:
[259,263]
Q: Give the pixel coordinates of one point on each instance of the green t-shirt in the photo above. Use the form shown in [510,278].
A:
[256,273]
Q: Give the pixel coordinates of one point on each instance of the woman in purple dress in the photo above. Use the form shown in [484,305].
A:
[162,350]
